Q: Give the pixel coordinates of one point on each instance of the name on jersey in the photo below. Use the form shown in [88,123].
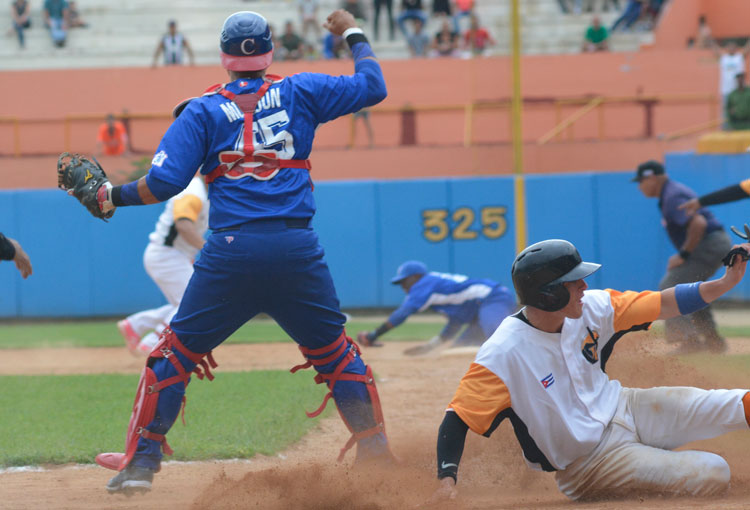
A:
[271,99]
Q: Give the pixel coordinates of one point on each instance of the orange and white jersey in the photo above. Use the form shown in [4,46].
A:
[191,203]
[553,386]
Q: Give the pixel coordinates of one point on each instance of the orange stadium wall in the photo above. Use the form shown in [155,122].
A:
[679,22]
[46,97]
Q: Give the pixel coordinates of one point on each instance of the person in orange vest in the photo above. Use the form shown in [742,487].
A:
[112,139]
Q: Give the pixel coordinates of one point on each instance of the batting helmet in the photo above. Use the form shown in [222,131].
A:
[540,270]
[246,43]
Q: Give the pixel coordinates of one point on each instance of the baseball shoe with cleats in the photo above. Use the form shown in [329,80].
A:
[717,345]
[130,480]
[128,333]
[365,339]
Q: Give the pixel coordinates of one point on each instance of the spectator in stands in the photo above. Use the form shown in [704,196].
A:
[615,5]
[55,16]
[308,13]
[292,45]
[418,40]
[112,138]
[703,39]
[463,10]
[651,10]
[74,17]
[441,8]
[364,115]
[377,4]
[630,16]
[731,63]
[738,105]
[410,9]
[172,44]
[334,46]
[19,11]
[564,6]
[597,36]
[477,38]
[445,42]
[274,37]
[356,9]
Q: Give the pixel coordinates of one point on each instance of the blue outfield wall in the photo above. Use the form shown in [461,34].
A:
[85,267]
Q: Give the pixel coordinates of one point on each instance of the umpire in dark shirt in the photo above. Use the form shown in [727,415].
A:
[10,249]
[701,243]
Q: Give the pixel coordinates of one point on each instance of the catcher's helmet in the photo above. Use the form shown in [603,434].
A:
[246,43]
[540,270]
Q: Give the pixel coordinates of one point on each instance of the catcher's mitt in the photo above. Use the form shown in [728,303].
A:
[86,181]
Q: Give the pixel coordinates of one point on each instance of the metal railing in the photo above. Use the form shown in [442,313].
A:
[564,128]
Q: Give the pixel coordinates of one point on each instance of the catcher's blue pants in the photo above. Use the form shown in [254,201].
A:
[262,266]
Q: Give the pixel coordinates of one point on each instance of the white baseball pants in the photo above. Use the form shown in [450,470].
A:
[171,271]
[635,452]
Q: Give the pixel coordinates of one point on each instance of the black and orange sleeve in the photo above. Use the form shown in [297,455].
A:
[634,308]
[725,195]
[480,397]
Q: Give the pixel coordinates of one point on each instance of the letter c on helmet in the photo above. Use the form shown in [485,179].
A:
[248,42]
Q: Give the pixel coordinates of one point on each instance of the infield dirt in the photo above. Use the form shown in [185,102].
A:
[414,391]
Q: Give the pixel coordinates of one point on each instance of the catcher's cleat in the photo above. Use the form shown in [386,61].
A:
[131,337]
[746,235]
[130,480]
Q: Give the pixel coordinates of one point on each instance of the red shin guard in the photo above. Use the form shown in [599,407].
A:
[336,349]
[147,397]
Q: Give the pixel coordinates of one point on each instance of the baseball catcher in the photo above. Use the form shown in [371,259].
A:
[251,138]
[545,370]
[85,180]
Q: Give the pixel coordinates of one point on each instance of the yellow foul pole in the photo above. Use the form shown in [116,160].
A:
[515,112]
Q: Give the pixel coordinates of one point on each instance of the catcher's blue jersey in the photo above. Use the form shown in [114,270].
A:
[284,124]
[456,296]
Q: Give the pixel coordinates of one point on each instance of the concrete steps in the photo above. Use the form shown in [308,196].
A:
[125,33]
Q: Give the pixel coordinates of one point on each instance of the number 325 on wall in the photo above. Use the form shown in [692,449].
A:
[437,226]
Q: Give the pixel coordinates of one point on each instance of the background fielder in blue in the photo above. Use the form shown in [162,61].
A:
[262,255]
[479,304]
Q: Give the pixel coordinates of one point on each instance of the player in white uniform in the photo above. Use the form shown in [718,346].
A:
[544,369]
[731,63]
[168,259]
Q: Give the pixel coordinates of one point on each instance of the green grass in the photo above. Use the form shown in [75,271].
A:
[725,331]
[104,333]
[61,419]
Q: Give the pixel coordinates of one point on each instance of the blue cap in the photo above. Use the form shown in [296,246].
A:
[408,268]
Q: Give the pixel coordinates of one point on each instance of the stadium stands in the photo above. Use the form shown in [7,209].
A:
[125,34]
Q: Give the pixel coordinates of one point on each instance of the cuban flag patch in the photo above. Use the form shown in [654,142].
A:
[548,380]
